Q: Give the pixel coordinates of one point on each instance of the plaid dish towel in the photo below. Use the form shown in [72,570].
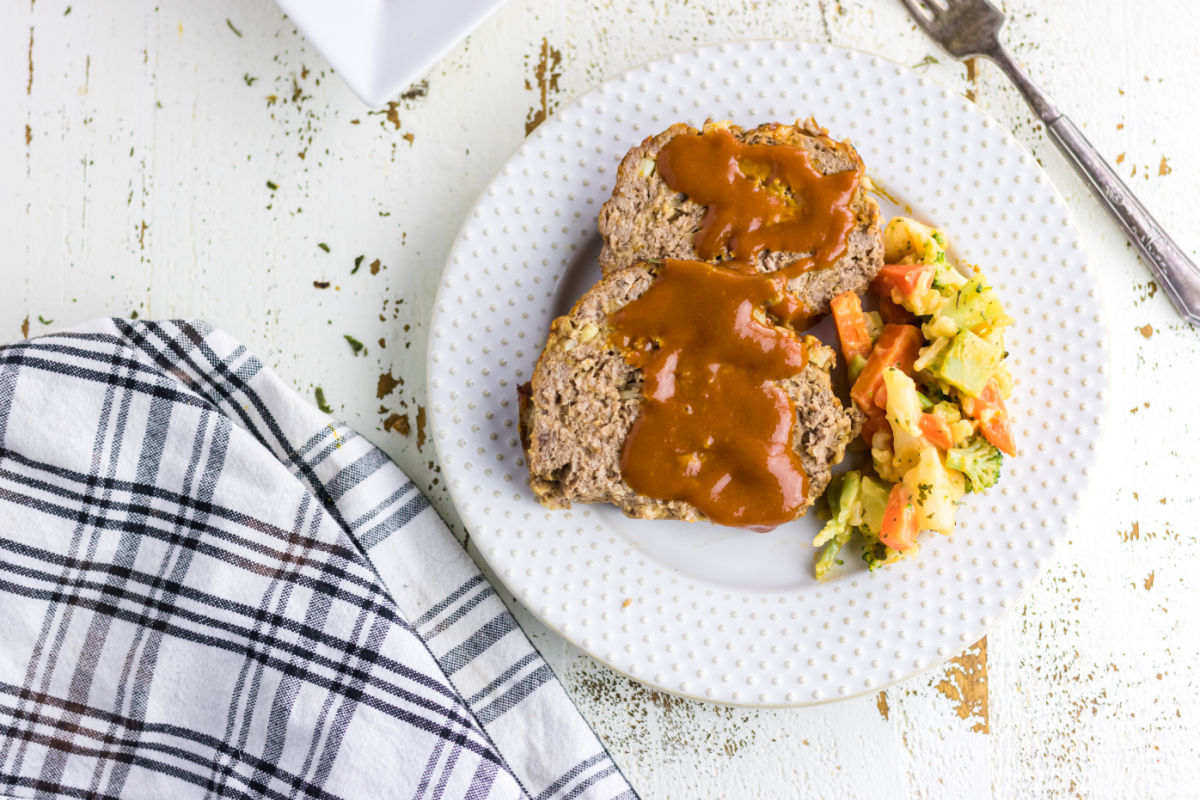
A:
[210,589]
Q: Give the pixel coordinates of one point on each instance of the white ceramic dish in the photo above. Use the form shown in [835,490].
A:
[730,615]
[380,47]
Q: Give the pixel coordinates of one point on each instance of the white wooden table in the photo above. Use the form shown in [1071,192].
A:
[157,161]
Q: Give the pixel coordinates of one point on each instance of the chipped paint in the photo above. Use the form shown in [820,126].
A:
[966,685]
[546,74]
[417,90]
[398,423]
[672,725]
[387,382]
[392,112]
[29,81]
[971,66]
[1144,291]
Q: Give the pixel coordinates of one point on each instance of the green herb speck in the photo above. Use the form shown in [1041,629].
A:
[133,314]
[355,344]
[45,321]
[925,62]
[235,30]
[272,185]
[248,79]
[321,403]
[357,263]
[323,246]
[68,11]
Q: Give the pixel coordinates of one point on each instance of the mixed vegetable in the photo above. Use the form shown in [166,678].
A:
[927,372]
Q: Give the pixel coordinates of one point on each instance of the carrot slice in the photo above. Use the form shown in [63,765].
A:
[898,346]
[994,423]
[899,529]
[894,314]
[936,431]
[851,325]
[906,279]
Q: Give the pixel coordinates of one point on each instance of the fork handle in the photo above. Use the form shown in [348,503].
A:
[1177,274]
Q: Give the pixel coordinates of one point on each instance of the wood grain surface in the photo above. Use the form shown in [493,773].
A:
[202,160]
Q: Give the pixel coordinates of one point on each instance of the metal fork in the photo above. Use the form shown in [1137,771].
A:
[971,28]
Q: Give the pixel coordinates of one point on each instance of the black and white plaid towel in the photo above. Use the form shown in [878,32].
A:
[210,589]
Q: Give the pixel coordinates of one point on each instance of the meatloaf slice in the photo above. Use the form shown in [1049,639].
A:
[645,218]
[583,399]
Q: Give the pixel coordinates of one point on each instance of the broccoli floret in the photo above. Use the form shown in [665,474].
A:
[979,462]
[874,553]
[877,554]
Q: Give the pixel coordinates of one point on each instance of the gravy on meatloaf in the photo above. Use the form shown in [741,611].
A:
[715,430]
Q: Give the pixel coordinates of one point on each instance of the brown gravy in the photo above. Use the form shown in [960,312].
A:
[760,197]
[715,428]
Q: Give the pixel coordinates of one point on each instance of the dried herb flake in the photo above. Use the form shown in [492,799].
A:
[355,344]
[272,185]
[321,284]
[357,263]
[248,79]
[323,246]
[321,404]
[235,30]
[45,321]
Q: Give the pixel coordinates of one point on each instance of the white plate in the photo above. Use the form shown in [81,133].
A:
[379,47]
[726,614]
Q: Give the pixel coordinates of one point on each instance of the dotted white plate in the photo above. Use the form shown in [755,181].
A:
[725,614]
